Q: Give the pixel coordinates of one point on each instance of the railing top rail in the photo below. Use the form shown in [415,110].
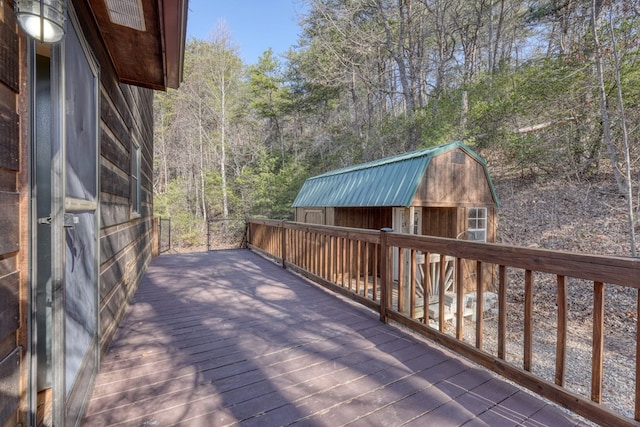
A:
[263,221]
[599,268]
[347,232]
[372,236]
[618,270]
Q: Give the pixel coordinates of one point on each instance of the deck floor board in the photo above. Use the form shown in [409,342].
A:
[230,338]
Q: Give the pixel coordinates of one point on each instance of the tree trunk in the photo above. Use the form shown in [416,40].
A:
[464,113]
[202,186]
[223,152]
[604,113]
[625,141]
[396,49]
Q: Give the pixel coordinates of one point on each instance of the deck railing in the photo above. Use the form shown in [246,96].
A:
[421,281]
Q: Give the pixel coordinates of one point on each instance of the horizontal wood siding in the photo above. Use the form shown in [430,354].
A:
[9,222]
[10,385]
[13,220]
[9,304]
[125,242]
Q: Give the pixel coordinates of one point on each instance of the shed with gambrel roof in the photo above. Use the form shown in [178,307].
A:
[443,191]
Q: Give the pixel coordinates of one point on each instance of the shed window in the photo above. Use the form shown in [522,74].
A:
[135,179]
[477,224]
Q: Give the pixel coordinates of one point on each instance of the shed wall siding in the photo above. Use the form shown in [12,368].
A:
[449,181]
[373,218]
[440,222]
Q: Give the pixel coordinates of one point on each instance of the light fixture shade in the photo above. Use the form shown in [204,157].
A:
[42,19]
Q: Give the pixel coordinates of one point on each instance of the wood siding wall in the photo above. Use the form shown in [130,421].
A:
[373,218]
[126,238]
[13,218]
[454,178]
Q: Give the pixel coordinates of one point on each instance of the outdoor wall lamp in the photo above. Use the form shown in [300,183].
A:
[42,19]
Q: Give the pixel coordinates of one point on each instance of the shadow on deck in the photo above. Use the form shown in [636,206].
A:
[228,338]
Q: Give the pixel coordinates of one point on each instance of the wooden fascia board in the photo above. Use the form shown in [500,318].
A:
[174,27]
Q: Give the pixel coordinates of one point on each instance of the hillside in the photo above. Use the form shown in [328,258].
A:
[579,216]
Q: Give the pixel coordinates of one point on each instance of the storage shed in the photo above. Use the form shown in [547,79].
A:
[443,191]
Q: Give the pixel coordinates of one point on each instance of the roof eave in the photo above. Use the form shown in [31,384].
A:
[152,57]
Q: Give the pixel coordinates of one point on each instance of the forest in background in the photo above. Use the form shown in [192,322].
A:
[546,91]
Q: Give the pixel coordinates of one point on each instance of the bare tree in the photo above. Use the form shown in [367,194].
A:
[625,140]
[596,7]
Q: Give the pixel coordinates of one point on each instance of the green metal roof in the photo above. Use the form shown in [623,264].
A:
[392,181]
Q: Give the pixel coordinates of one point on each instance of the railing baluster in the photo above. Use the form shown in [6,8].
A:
[637,407]
[327,257]
[310,256]
[528,319]
[366,269]
[283,250]
[298,248]
[598,342]
[561,335]
[400,280]
[479,304]
[334,258]
[345,244]
[412,287]
[312,253]
[441,292]
[303,248]
[502,311]
[374,273]
[426,286]
[318,254]
[459,282]
[321,257]
[358,263]
[343,262]
[350,263]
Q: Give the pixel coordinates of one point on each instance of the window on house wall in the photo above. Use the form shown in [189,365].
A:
[135,179]
[477,224]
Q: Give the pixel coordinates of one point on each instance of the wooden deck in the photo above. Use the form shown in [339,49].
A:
[229,338]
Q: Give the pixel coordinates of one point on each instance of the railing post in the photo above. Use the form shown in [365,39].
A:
[208,235]
[386,257]
[284,244]
[159,236]
[247,231]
